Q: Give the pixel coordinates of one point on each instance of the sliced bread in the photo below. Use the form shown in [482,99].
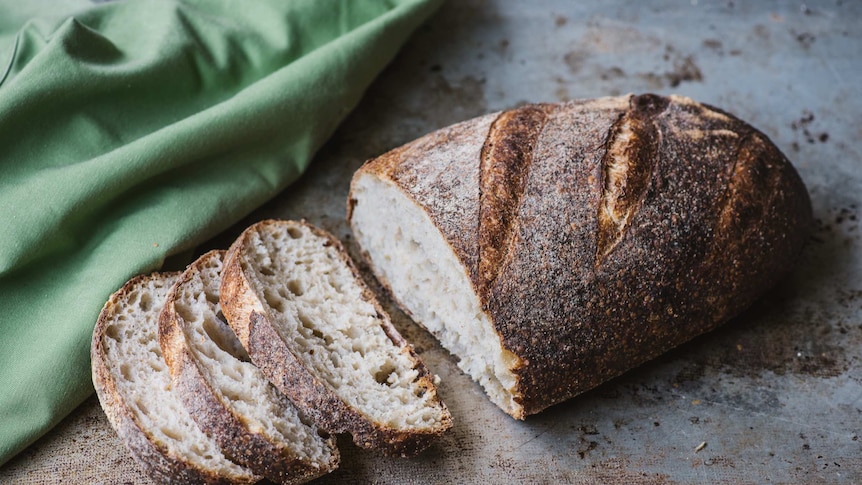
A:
[297,304]
[227,396]
[551,248]
[134,388]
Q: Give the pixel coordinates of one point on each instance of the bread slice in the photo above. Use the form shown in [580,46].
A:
[229,398]
[134,388]
[298,305]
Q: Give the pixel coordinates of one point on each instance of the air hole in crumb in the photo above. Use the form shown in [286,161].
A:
[267,271]
[234,397]
[171,434]
[295,287]
[273,300]
[294,232]
[308,324]
[212,298]
[353,332]
[336,286]
[382,375]
[323,434]
[420,392]
[305,321]
[127,373]
[112,332]
[146,302]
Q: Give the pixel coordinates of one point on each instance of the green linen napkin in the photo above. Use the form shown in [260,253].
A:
[133,130]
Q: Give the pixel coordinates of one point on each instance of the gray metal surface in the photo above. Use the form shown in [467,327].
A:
[775,396]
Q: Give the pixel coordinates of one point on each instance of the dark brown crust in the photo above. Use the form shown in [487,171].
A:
[504,163]
[161,465]
[715,215]
[316,398]
[273,460]
[627,167]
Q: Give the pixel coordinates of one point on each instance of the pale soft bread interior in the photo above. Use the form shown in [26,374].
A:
[425,276]
[134,360]
[320,312]
[226,366]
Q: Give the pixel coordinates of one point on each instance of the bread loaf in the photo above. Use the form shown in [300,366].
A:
[134,389]
[228,396]
[298,306]
[552,247]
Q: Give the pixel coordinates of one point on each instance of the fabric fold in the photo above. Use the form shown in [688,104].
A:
[134,130]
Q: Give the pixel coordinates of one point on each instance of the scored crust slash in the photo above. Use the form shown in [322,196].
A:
[552,247]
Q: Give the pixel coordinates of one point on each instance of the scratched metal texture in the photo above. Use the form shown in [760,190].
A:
[774,396]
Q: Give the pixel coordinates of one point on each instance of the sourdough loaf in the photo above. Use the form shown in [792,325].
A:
[134,388]
[552,247]
[228,397]
[307,320]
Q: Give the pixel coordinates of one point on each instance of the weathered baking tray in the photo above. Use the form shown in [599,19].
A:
[773,396]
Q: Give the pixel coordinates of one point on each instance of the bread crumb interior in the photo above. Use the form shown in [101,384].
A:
[412,257]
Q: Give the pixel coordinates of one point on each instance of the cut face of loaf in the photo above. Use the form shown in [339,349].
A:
[553,247]
[134,388]
[225,393]
[308,322]
[415,262]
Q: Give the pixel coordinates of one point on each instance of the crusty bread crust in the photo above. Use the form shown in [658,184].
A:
[249,317]
[160,464]
[628,226]
[274,460]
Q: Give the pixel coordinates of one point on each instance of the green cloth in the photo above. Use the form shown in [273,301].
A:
[133,130]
